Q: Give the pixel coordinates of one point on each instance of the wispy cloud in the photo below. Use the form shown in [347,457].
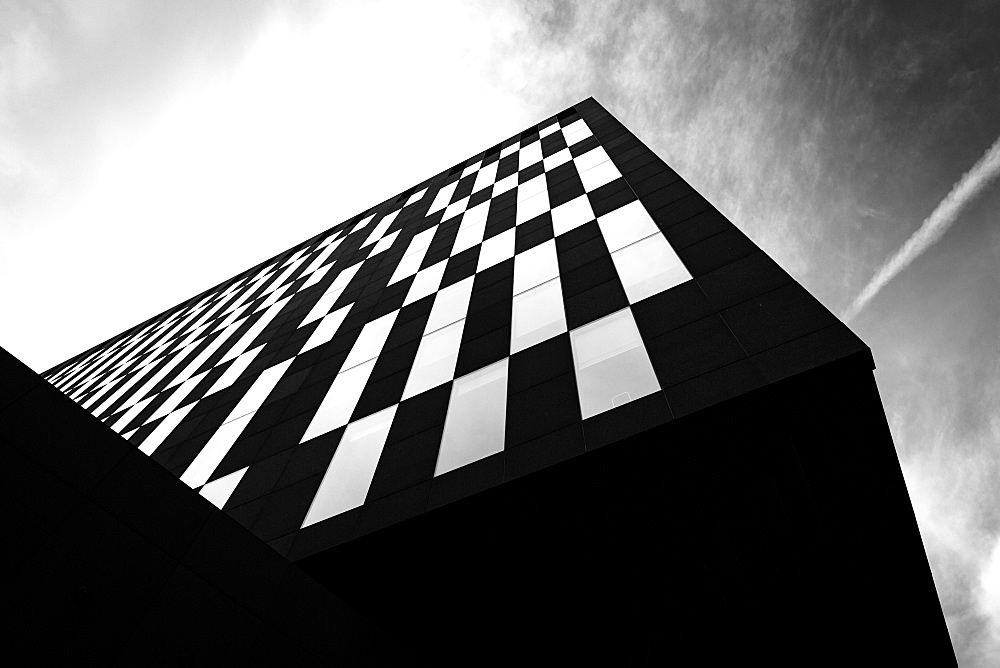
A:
[934,226]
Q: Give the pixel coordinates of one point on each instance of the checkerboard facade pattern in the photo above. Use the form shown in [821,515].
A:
[512,300]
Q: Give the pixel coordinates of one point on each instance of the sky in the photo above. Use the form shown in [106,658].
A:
[149,151]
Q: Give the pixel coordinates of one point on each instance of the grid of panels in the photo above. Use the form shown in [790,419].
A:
[399,344]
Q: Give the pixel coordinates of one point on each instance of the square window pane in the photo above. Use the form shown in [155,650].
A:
[612,366]
[219,491]
[529,155]
[450,305]
[326,328]
[477,413]
[507,150]
[435,360]
[471,168]
[531,208]
[572,214]
[380,229]
[384,243]
[626,225]
[576,132]
[537,316]
[415,197]
[486,176]
[558,158]
[469,235]
[529,189]
[426,282]
[648,267]
[602,174]
[591,159]
[346,481]
[443,197]
[535,266]
[548,129]
[340,400]
[371,340]
[505,184]
[496,249]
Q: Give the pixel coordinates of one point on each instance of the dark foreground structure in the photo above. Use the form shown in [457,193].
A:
[546,407]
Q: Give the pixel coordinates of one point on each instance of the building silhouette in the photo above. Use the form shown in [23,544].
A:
[548,406]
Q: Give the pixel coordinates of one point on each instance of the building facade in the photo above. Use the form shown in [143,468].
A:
[548,404]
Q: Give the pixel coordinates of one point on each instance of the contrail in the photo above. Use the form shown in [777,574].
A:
[968,187]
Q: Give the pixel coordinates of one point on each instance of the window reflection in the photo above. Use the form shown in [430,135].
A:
[474,427]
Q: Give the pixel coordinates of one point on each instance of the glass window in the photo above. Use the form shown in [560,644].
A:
[455,209]
[326,328]
[471,168]
[426,282]
[571,214]
[602,174]
[380,229]
[450,305]
[346,481]
[576,132]
[486,176]
[496,249]
[415,197]
[535,266]
[626,225]
[648,267]
[549,129]
[591,159]
[507,150]
[477,411]
[532,208]
[384,243]
[435,360]
[219,491]
[556,159]
[470,233]
[371,340]
[340,400]
[529,155]
[505,184]
[213,451]
[537,316]
[529,189]
[443,197]
[332,294]
[162,430]
[408,266]
[612,367]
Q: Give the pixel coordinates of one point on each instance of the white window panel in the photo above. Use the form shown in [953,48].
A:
[576,132]
[205,463]
[212,453]
[535,266]
[477,213]
[162,430]
[362,223]
[612,367]
[475,425]
[420,241]
[626,225]
[371,340]
[649,267]
[384,243]
[235,370]
[496,249]
[531,208]
[322,257]
[255,329]
[435,360]
[455,209]
[549,129]
[131,413]
[571,214]
[270,300]
[347,480]
[316,276]
[469,235]
[558,158]
[529,155]
[426,282]
[443,197]
[408,266]
[326,329]
[219,491]
[505,184]
[537,316]
[591,159]
[450,305]
[340,401]
[380,229]
[332,294]
[486,176]
[530,188]
[416,197]
[508,150]
[176,397]
[595,177]
[471,169]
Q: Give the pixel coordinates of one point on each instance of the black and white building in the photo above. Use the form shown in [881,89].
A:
[546,406]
